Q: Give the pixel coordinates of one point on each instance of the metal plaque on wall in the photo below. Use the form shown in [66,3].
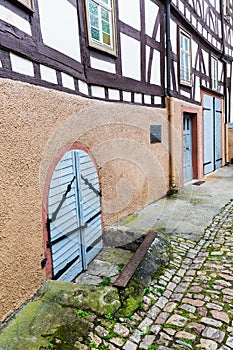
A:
[155,133]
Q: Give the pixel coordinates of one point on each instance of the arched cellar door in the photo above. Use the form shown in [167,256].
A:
[74,215]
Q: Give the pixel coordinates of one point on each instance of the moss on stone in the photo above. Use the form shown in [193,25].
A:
[129,219]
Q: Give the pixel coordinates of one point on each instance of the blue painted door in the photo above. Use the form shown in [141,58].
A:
[74,215]
[212,133]
[187,134]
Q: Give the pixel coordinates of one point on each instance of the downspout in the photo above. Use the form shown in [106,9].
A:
[169,100]
[225,83]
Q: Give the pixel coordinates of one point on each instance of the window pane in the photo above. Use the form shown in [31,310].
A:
[94,21]
[105,27]
[106,1]
[93,8]
[105,14]
[95,34]
[106,39]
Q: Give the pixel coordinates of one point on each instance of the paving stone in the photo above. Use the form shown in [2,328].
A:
[162,301]
[214,306]
[147,341]
[171,286]
[170,306]
[185,335]
[94,338]
[189,308]
[197,326]
[145,324]
[177,296]
[153,312]
[136,336]
[130,346]
[177,320]
[121,330]
[226,277]
[195,289]
[176,279]
[161,319]
[211,322]
[101,331]
[117,341]
[213,334]
[181,273]
[220,315]
[181,288]
[199,296]
[169,331]
[167,293]
[181,345]
[155,328]
[229,342]
[208,344]
[227,291]
[193,302]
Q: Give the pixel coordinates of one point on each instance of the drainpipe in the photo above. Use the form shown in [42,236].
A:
[169,99]
[225,83]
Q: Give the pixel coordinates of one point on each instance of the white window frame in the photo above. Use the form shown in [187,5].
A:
[27,3]
[185,59]
[112,49]
[214,72]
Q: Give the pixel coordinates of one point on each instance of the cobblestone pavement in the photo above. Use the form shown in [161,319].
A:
[190,306]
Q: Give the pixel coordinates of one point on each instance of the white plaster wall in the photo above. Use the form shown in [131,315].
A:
[130,57]
[21,65]
[103,65]
[198,90]
[127,96]
[151,12]
[67,81]
[155,69]
[83,87]
[114,94]
[98,91]
[59,26]
[194,52]
[129,12]
[147,99]
[48,74]
[174,36]
[15,20]
[231,116]
[206,60]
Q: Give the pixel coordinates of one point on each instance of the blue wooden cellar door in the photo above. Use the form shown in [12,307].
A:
[74,215]
[187,134]
[212,133]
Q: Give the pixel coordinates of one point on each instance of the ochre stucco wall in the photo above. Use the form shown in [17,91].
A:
[230,144]
[36,123]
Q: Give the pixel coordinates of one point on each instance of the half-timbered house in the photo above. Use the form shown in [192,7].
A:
[105,106]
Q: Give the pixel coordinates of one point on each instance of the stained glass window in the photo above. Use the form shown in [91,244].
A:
[101,24]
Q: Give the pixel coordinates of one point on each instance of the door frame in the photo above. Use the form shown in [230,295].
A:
[47,251]
[187,117]
[193,112]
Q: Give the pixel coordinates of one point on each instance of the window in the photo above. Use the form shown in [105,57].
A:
[185,58]
[27,3]
[225,4]
[101,25]
[214,73]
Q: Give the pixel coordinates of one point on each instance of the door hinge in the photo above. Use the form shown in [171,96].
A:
[43,263]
